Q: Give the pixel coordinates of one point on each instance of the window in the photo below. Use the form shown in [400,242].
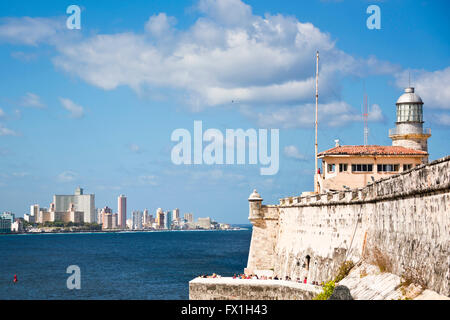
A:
[407,167]
[409,112]
[331,168]
[362,167]
[387,167]
[343,167]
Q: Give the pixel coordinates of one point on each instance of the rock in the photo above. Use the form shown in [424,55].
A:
[341,293]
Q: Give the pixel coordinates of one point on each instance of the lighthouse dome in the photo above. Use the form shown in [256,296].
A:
[409,97]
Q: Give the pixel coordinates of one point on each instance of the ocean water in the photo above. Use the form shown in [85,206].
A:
[145,265]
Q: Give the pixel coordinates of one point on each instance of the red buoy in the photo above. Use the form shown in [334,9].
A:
[15,278]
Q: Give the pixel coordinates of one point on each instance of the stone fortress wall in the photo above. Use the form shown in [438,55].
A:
[405,217]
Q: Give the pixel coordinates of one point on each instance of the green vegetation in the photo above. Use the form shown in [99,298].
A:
[344,270]
[328,289]
[71,225]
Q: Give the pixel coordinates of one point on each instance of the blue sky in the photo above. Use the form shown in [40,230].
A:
[96,107]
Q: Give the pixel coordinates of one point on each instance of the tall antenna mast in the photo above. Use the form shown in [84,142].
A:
[366,118]
[316,123]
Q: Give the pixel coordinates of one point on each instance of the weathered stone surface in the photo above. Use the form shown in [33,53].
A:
[405,217]
[243,289]
[341,293]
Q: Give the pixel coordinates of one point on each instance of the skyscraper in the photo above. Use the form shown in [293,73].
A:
[176,214]
[122,209]
[137,220]
[160,218]
[82,202]
[168,220]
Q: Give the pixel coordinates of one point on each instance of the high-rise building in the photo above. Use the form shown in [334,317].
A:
[102,213]
[137,220]
[122,210]
[34,210]
[176,214]
[189,217]
[83,203]
[168,220]
[160,218]
[145,219]
[6,221]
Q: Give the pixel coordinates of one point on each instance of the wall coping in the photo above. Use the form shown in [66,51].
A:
[370,193]
[229,281]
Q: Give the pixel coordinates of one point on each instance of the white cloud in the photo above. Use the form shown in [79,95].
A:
[293,152]
[229,56]
[433,87]
[67,176]
[7,132]
[160,25]
[333,114]
[441,119]
[76,111]
[32,100]
[30,31]
[135,148]
[148,180]
[2,113]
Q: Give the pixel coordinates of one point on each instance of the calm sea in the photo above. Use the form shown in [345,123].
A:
[147,265]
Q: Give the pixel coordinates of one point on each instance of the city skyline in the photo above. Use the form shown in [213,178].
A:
[73,113]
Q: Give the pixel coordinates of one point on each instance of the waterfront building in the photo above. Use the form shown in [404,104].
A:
[137,220]
[107,221]
[168,220]
[83,203]
[17,226]
[71,215]
[129,224]
[122,210]
[189,217]
[29,218]
[176,214]
[160,218]
[115,221]
[145,219]
[204,223]
[102,212]
[34,210]
[350,167]
[5,223]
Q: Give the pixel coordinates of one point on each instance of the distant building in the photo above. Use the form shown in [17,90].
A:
[122,210]
[6,220]
[129,224]
[17,226]
[168,220]
[102,213]
[189,217]
[34,211]
[71,215]
[115,221]
[145,219]
[204,223]
[29,218]
[176,214]
[107,221]
[83,203]
[159,218]
[137,220]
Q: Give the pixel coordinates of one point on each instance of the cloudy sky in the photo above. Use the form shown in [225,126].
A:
[96,107]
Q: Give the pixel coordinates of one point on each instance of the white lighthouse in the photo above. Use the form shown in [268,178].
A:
[409,131]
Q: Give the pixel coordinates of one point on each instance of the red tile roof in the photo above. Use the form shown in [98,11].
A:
[372,151]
